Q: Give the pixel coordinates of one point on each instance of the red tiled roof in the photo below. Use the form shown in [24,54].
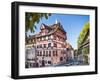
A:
[53,28]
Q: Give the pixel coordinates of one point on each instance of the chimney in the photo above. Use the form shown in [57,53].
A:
[56,21]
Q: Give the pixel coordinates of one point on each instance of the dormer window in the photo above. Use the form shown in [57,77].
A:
[46,37]
[42,38]
[42,26]
[49,45]
[51,36]
[47,31]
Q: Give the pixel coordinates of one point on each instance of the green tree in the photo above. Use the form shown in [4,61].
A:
[81,40]
[31,19]
[83,33]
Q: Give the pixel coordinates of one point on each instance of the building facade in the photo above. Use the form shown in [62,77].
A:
[49,46]
[70,52]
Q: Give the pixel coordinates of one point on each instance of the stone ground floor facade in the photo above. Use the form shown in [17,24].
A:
[45,57]
[51,57]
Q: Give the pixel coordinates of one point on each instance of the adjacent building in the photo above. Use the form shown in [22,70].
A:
[84,49]
[70,52]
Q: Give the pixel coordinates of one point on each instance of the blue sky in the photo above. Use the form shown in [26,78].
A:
[72,24]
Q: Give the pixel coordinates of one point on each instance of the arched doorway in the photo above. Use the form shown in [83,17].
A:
[43,63]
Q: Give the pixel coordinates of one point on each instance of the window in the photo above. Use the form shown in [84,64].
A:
[41,46]
[49,62]
[63,46]
[61,58]
[44,45]
[47,31]
[58,38]
[63,40]
[49,53]
[44,38]
[64,51]
[33,41]
[45,62]
[37,46]
[49,37]
[40,53]
[40,61]
[37,53]
[49,45]
[40,39]
[53,53]
[56,53]
[46,53]
[43,53]
[55,45]
[61,51]
[54,37]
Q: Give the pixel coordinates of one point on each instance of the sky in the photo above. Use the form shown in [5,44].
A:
[71,23]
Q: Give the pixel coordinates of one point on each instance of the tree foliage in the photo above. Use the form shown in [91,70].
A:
[81,40]
[83,33]
[31,19]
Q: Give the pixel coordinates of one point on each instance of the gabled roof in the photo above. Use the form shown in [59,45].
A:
[52,29]
[45,26]
[58,25]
